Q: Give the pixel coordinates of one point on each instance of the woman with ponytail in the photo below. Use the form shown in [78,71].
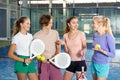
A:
[103,46]
[74,42]
[20,44]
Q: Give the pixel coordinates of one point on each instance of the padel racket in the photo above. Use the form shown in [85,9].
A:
[61,60]
[82,75]
[37,47]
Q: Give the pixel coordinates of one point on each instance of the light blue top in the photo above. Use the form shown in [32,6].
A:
[107,43]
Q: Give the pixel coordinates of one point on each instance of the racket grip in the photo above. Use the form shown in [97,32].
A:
[83,69]
[25,64]
[49,61]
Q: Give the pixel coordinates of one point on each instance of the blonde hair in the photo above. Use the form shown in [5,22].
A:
[105,21]
[17,26]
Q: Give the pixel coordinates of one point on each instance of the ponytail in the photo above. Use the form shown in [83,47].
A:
[17,26]
[108,27]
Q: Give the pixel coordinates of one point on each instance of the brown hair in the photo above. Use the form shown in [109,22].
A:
[67,29]
[105,21]
[45,19]
[17,26]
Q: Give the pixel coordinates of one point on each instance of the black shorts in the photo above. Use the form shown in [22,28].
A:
[76,66]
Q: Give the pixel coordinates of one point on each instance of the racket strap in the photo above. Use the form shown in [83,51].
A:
[24,64]
[48,60]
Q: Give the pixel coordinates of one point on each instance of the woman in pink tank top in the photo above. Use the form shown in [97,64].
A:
[75,45]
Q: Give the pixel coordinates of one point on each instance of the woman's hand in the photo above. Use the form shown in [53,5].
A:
[27,60]
[58,42]
[97,49]
[101,50]
[62,42]
[80,53]
[45,61]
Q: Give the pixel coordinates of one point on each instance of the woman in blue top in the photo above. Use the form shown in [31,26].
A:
[103,46]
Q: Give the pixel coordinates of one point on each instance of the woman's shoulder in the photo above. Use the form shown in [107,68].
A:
[37,33]
[110,36]
[29,34]
[17,35]
[66,34]
[81,32]
[95,33]
[53,30]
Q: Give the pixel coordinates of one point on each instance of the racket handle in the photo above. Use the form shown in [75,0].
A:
[83,69]
[26,64]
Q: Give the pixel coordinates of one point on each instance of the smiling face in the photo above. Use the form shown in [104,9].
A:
[98,26]
[101,24]
[95,25]
[25,25]
[73,25]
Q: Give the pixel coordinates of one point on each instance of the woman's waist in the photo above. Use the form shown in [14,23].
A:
[77,57]
[100,59]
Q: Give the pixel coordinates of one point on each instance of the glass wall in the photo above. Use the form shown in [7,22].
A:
[10,10]
[84,15]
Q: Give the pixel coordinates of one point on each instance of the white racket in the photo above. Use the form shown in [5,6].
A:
[61,60]
[37,47]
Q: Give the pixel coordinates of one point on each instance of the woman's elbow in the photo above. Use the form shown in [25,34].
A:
[112,55]
[9,55]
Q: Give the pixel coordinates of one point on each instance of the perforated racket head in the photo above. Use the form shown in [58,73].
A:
[62,60]
[37,47]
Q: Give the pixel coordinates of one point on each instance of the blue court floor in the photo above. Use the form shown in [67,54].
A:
[7,65]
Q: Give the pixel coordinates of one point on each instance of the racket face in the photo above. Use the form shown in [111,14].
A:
[82,77]
[62,60]
[37,47]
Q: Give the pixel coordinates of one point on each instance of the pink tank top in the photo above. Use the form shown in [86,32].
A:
[75,45]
